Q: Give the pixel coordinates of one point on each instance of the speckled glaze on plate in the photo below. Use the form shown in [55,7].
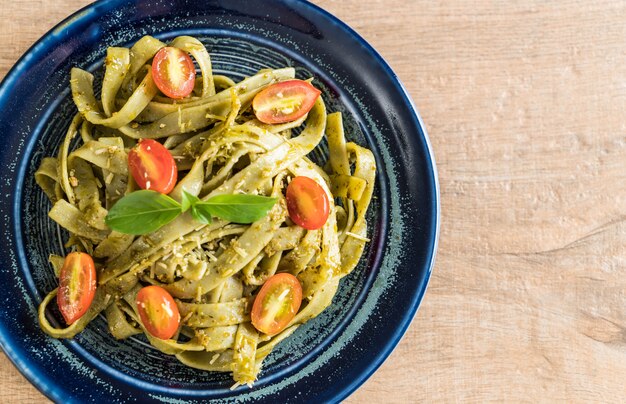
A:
[327,358]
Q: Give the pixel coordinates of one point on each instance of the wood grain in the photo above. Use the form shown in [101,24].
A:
[525,104]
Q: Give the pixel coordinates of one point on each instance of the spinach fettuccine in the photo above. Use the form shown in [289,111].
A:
[247,242]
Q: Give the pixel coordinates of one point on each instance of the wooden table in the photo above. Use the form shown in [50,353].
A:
[525,104]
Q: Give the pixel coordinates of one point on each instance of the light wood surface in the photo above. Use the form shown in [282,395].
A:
[525,103]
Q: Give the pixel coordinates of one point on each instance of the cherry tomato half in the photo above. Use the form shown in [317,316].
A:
[77,286]
[276,304]
[173,72]
[307,203]
[285,101]
[158,312]
[152,166]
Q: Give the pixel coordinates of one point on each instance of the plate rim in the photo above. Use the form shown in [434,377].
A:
[32,55]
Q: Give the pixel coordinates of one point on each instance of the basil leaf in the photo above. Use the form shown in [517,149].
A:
[191,201]
[201,213]
[188,200]
[142,212]
[238,208]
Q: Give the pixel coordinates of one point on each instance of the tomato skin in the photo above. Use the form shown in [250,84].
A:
[173,72]
[158,312]
[307,203]
[77,286]
[285,101]
[152,166]
[271,315]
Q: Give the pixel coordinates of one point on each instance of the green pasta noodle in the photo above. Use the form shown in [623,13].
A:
[213,271]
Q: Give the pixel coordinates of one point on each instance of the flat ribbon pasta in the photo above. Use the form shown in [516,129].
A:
[213,271]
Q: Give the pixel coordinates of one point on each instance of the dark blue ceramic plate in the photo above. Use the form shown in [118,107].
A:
[326,359]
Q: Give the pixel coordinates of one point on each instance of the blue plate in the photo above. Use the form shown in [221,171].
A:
[326,359]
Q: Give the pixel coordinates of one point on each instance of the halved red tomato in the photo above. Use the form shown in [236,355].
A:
[152,166]
[307,203]
[276,304]
[158,312]
[173,72]
[77,286]
[285,101]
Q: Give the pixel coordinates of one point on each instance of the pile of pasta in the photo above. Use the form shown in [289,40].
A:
[214,270]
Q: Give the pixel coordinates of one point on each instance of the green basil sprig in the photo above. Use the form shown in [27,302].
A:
[145,211]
